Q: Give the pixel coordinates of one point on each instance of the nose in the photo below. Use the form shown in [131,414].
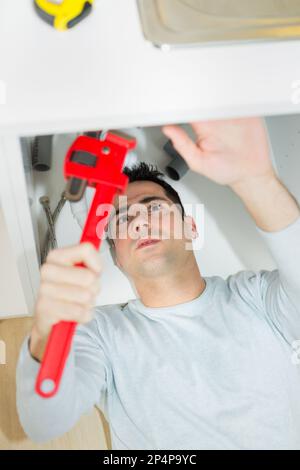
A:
[140,223]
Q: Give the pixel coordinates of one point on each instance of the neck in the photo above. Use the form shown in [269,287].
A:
[181,286]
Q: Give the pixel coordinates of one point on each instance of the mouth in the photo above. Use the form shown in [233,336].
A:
[145,243]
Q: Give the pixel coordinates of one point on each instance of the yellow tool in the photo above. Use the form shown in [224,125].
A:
[63,14]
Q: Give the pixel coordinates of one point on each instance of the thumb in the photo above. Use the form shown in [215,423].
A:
[185,146]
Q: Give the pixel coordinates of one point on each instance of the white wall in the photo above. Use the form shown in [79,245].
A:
[231,242]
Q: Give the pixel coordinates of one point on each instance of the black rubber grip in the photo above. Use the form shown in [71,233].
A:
[42,14]
[85,12]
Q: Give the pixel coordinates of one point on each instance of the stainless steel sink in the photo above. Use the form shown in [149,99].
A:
[194,22]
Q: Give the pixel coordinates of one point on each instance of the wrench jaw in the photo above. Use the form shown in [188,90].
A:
[76,187]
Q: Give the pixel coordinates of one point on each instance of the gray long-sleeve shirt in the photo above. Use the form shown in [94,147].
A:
[217,372]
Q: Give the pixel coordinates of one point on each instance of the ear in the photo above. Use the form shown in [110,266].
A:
[190,229]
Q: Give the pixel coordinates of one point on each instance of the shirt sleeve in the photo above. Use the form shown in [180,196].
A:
[85,383]
[280,288]
[276,293]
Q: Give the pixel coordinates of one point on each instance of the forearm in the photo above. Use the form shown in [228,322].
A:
[82,385]
[43,419]
[268,201]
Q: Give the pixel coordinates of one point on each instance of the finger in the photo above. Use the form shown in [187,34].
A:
[68,275]
[70,293]
[84,253]
[185,146]
[54,310]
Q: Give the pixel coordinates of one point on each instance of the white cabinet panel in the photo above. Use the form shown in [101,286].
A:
[18,227]
[12,298]
[104,73]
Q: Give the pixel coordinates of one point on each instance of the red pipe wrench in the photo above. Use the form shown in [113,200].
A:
[99,164]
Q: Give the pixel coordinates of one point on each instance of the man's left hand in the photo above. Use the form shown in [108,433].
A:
[228,152]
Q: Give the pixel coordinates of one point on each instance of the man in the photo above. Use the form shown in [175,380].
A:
[194,362]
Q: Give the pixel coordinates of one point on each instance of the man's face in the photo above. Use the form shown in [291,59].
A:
[148,213]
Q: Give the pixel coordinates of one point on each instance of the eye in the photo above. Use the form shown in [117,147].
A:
[155,206]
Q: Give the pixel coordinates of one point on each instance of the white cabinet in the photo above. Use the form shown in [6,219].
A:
[225,251]
[19,265]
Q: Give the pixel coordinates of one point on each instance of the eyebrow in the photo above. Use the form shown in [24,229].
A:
[142,201]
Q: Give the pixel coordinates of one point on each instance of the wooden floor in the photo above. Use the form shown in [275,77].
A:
[91,432]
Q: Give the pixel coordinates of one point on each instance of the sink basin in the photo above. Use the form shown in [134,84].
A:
[245,8]
[194,22]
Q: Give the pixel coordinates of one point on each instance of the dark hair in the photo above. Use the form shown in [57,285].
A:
[143,171]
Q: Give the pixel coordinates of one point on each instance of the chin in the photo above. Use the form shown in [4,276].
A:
[154,267]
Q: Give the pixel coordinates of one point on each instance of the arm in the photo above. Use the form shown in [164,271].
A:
[85,382]
[275,294]
[236,153]
[66,293]
[277,217]
[269,202]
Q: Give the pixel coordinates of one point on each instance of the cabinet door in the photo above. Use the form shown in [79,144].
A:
[19,269]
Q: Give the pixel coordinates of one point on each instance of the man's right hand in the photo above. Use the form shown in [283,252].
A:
[66,293]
